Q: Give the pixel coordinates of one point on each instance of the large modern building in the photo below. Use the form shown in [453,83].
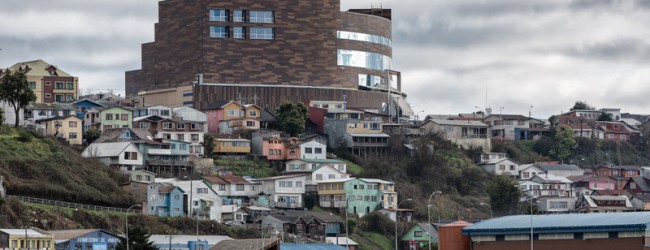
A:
[266,52]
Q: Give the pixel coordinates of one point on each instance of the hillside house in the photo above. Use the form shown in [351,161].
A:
[504,126]
[501,167]
[233,189]
[64,127]
[286,191]
[465,133]
[122,156]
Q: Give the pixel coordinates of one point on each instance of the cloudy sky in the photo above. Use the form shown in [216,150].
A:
[546,53]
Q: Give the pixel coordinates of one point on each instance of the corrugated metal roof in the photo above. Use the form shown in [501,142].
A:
[562,223]
[105,149]
[22,232]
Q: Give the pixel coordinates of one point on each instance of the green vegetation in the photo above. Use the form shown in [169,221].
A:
[55,218]
[378,239]
[208,145]
[504,195]
[41,167]
[292,117]
[92,134]
[255,168]
[14,89]
[352,168]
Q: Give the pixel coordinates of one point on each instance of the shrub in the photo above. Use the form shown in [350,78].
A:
[24,136]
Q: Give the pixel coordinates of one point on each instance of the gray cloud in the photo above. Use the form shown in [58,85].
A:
[545,53]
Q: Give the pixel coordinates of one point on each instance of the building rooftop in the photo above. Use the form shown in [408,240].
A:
[561,223]
[303,246]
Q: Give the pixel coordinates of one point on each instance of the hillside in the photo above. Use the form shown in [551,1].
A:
[41,167]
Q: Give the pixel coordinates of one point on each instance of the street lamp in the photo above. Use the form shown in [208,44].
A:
[396,211]
[429,212]
[346,222]
[189,211]
[488,205]
[126,219]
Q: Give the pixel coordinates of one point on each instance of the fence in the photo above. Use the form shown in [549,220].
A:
[72,205]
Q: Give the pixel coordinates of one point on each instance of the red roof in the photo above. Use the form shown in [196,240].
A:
[459,223]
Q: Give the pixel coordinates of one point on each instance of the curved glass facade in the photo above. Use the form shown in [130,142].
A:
[362,59]
[348,35]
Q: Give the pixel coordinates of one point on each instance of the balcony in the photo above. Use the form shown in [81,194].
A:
[169,163]
[332,203]
[288,205]
[159,151]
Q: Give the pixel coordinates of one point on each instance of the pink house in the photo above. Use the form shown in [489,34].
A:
[278,149]
[593,182]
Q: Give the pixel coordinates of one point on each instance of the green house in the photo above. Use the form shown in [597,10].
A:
[418,236]
[363,197]
[115,117]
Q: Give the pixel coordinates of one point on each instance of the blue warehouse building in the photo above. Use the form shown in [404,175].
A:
[88,239]
[562,231]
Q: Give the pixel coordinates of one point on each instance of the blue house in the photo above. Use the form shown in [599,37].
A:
[90,239]
[82,106]
[171,200]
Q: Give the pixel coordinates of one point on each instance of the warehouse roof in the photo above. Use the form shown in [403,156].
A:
[562,223]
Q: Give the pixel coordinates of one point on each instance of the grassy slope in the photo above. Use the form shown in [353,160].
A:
[41,167]
[13,212]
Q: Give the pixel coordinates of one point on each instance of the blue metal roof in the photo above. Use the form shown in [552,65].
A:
[562,223]
[300,246]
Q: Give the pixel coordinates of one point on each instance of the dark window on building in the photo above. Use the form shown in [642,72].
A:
[218,15]
[578,236]
[613,235]
[261,33]
[239,16]
[218,32]
[239,32]
[500,238]
[257,16]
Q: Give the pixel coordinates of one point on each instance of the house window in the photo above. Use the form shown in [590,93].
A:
[502,167]
[525,175]
[252,113]
[239,16]
[218,15]
[219,32]
[32,85]
[318,150]
[58,98]
[48,95]
[108,127]
[59,85]
[125,117]
[69,98]
[109,117]
[261,33]
[164,112]
[417,233]
[72,135]
[182,146]
[180,126]
[180,137]
[222,187]
[256,16]
[167,125]
[194,126]
[331,176]
[48,83]
[195,137]
[319,177]
[72,124]
[233,112]
[239,187]
[130,156]
[144,125]
[512,167]
[69,85]
[308,151]
[250,123]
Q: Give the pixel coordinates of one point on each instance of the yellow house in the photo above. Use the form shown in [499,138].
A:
[232,110]
[232,146]
[49,83]
[253,111]
[68,127]
[331,193]
[16,239]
